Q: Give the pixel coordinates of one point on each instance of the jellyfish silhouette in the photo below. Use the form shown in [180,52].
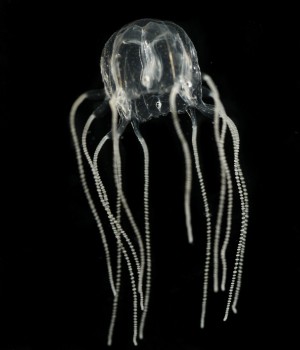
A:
[149,69]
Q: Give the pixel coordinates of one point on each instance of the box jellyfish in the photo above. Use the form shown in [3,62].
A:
[150,69]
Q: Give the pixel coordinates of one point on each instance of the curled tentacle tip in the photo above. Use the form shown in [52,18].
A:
[135,342]
[234,309]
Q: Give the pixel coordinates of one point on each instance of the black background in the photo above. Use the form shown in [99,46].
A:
[54,292]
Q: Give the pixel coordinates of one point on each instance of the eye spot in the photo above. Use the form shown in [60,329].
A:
[158,105]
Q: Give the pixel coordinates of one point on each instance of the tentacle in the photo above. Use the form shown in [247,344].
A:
[228,224]
[188,163]
[115,305]
[120,248]
[220,145]
[118,287]
[85,186]
[244,217]
[240,272]
[115,225]
[127,211]
[119,254]
[118,268]
[118,184]
[225,184]
[207,216]
[241,190]
[133,225]
[118,199]
[147,227]
[103,195]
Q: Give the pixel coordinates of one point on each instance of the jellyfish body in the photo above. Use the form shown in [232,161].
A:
[149,69]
